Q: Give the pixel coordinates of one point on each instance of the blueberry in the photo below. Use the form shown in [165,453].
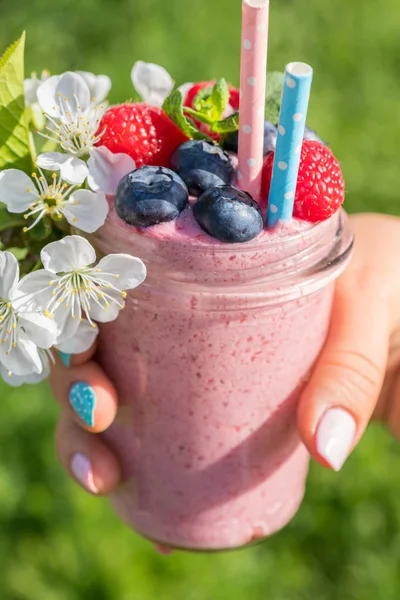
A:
[309,134]
[228,214]
[270,135]
[202,165]
[150,195]
[231,142]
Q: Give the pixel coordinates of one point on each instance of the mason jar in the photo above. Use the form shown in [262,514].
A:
[209,358]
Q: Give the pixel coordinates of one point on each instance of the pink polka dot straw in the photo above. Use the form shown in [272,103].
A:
[253,76]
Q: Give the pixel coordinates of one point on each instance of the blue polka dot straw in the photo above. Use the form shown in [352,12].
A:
[292,122]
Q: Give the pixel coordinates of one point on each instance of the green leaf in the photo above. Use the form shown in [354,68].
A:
[198,115]
[220,98]
[173,107]
[227,125]
[48,145]
[19,253]
[34,115]
[274,96]
[202,99]
[10,221]
[14,132]
[41,231]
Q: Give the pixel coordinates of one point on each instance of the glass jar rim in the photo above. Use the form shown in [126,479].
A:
[292,266]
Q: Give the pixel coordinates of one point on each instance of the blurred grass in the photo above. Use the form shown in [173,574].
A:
[58,544]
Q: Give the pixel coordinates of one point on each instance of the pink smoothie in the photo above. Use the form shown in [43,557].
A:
[209,358]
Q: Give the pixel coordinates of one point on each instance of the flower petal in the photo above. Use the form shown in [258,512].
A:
[51,161]
[61,93]
[17,190]
[67,324]
[73,169]
[99,85]
[33,292]
[106,315]
[22,360]
[39,329]
[9,275]
[87,210]
[152,82]
[82,340]
[17,380]
[69,254]
[31,87]
[130,271]
[47,96]
[107,169]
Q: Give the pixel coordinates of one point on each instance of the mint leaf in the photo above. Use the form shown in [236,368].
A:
[173,108]
[219,98]
[14,133]
[227,125]
[274,96]
[204,118]
[202,101]
[209,106]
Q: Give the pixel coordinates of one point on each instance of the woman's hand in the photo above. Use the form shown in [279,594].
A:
[357,374]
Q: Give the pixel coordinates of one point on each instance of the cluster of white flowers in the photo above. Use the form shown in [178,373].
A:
[59,305]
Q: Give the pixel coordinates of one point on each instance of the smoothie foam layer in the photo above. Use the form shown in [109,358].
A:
[186,253]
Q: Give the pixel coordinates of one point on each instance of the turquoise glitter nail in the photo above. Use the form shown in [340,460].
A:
[82,398]
[65,358]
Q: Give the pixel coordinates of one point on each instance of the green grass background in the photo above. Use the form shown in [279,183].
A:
[58,544]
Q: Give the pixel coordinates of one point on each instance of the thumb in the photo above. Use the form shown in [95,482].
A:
[340,398]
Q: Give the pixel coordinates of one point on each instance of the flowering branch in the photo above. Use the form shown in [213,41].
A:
[61,296]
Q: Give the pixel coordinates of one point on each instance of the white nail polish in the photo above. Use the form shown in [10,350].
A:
[335,437]
[81,467]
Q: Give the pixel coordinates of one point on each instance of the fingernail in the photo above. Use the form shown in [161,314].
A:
[65,358]
[81,467]
[82,398]
[335,437]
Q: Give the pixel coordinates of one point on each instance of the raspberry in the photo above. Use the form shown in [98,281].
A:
[144,132]
[320,184]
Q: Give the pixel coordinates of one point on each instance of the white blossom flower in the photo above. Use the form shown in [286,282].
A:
[31,86]
[107,169]
[22,332]
[17,380]
[35,197]
[69,286]
[74,123]
[14,380]
[99,85]
[82,341]
[152,82]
